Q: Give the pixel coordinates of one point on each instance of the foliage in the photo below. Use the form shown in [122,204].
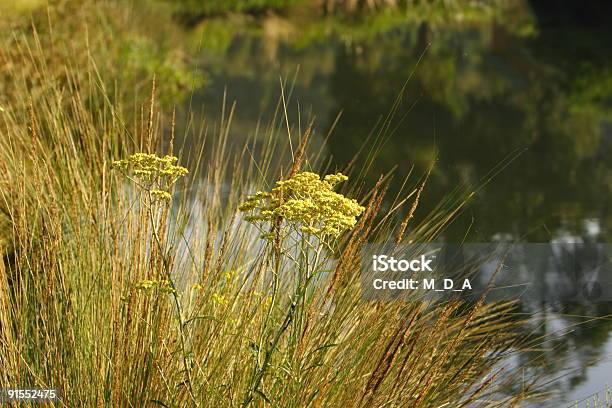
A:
[215,7]
[74,36]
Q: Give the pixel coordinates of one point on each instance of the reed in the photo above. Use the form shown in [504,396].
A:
[135,283]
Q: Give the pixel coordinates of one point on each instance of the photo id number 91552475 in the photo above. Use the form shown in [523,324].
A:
[28,394]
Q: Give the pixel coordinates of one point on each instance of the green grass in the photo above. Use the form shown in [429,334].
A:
[216,7]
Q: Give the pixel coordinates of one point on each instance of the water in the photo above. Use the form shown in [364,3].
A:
[517,107]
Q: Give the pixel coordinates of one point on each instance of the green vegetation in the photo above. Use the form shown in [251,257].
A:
[108,42]
[201,9]
[130,277]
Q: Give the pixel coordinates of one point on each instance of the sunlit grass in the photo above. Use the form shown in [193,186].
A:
[144,283]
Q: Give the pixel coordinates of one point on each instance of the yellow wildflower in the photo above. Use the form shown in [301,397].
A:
[161,195]
[219,299]
[149,285]
[267,301]
[154,173]
[307,202]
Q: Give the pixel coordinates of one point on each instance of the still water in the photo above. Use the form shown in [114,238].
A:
[515,106]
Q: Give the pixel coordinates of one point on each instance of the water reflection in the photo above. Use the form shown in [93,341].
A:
[482,94]
[479,93]
[476,110]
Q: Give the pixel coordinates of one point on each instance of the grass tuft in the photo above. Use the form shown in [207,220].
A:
[144,284]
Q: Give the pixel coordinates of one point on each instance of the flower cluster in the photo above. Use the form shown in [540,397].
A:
[307,202]
[220,299]
[162,285]
[155,174]
[197,286]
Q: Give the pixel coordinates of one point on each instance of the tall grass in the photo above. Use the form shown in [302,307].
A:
[120,300]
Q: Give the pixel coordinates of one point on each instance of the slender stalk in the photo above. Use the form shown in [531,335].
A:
[176,301]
